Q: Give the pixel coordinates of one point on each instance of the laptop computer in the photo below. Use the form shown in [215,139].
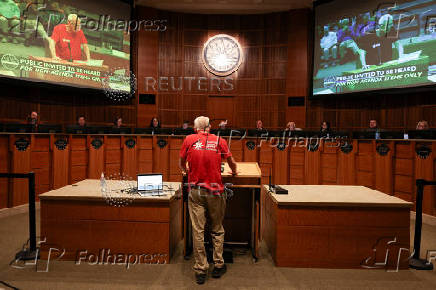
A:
[150,184]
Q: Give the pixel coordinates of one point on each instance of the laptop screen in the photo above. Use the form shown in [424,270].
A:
[150,182]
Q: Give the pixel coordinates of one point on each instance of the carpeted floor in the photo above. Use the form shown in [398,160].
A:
[242,274]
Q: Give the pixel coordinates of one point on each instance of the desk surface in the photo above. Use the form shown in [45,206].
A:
[336,195]
[245,170]
[89,189]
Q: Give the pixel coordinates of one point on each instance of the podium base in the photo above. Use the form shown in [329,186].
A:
[420,264]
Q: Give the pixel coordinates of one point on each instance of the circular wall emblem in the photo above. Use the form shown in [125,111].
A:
[222,54]
[22,144]
[96,143]
[161,143]
[422,151]
[250,145]
[61,144]
[9,61]
[281,146]
[119,84]
[382,149]
[130,143]
[347,148]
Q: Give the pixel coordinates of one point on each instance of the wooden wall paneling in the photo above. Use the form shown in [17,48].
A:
[424,169]
[404,170]
[250,154]
[297,161]
[347,170]
[161,157]
[78,158]
[236,147]
[329,162]
[365,163]
[384,168]
[145,154]
[4,168]
[20,163]
[129,156]
[265,159]
[297,80]
[175,143]
[96,165]
[41,163]
[147,52]
[312,163]
[112,155]
[280,165]
[60,161]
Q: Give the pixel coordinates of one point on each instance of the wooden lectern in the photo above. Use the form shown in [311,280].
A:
[242,220]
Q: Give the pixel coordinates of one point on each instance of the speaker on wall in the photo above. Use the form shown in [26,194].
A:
[295,101]
[147,99]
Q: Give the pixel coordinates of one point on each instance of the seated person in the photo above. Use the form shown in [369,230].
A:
[118,122]
[422,125]
[68,39]
[325,129]
[291,126]
[33,120]
[222,125]
[155,124]
[81,122]
[377,48]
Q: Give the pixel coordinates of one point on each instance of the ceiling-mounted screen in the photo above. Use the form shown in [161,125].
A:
[373,45]
[75,42]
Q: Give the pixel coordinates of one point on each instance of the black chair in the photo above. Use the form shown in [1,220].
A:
[421,134]
[75,129]
[122,130]
[183,132]
[18,128]
[45,128]
[364,135]
[99,130]
[163,131]
[147,131]
[391,135]
[257,133]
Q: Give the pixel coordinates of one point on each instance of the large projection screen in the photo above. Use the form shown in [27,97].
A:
[70,42]
[373,45]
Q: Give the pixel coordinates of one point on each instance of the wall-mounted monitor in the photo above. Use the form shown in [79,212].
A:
[373,45]
[70,42]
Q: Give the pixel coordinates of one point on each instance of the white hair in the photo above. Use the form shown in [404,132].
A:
[201,123]
[72,17]
[386,19]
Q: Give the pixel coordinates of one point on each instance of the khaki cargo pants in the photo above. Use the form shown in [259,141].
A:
[203,206]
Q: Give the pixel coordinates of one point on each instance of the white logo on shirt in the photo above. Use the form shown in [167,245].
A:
[198,145]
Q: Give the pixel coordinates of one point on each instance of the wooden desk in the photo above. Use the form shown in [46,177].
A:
[329,226]
[78,217]
[242,219]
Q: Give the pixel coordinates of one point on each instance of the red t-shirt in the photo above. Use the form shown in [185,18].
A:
[65,40]
[204,152]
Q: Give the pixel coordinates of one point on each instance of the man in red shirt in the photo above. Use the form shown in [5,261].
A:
[67,40]
[204,152]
